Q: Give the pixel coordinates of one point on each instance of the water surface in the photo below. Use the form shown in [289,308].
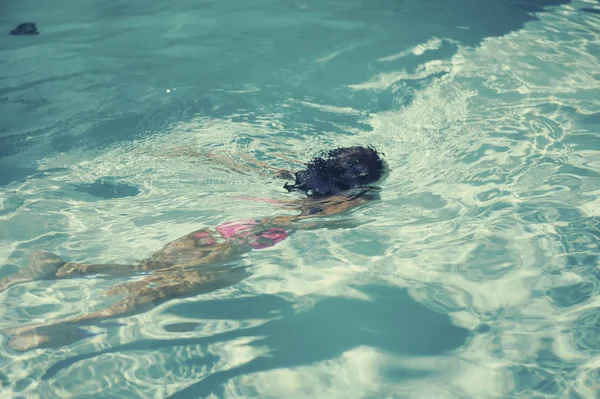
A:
[475,276]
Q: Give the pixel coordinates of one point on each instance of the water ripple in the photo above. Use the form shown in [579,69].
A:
[483,250]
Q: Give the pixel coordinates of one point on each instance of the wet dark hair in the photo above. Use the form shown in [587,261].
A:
[339,170]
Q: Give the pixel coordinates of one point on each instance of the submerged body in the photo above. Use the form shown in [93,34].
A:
[192,264]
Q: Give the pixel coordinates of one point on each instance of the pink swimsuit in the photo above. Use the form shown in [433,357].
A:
[240,232]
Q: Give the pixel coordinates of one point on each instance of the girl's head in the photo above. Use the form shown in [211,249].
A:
[339,170]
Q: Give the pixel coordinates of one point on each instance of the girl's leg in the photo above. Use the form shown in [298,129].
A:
[42,265]
[151,291]
[45,265]
[199,247]
[113,270]
[165,282]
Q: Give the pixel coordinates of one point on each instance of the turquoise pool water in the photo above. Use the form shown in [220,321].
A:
[475,276]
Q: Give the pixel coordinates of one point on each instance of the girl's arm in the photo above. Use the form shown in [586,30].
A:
[317,208]
[238,163]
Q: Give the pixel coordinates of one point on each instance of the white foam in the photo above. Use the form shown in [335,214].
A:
[432,44]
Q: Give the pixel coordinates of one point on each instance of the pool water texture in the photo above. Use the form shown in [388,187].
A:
[475,276]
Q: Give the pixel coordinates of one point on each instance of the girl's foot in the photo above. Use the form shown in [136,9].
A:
[42,265]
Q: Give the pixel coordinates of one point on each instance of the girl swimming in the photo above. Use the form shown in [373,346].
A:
[193,264]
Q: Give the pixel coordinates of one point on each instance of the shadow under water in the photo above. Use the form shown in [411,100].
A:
[390,321]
